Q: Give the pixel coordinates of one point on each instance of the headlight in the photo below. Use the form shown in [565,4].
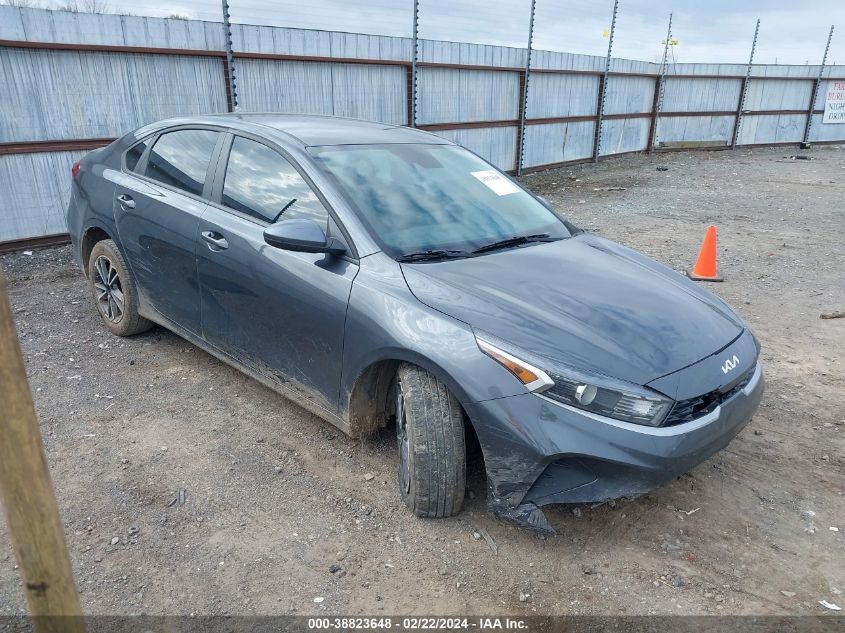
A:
[597,394]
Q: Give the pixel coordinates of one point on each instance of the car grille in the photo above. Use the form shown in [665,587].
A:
[693,408]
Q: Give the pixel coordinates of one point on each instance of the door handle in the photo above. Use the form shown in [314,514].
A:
[215,240]
[126,201]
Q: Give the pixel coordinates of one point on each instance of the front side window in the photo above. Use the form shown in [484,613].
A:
[181,158]
[417,198]
[262,184]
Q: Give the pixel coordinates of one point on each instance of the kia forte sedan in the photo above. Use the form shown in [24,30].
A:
[379,275]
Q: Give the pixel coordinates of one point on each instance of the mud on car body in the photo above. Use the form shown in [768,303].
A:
[379,275]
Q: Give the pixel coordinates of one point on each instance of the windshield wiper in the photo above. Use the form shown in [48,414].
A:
[514,241]
[430,256]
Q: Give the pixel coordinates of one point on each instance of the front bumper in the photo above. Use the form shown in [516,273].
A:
[538,451]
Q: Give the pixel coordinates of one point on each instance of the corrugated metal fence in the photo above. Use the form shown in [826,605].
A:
[73,81]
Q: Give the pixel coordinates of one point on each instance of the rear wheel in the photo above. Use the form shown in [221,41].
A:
[114,290]
[432,450]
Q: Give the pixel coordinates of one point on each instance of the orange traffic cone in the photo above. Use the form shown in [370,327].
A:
[705,265]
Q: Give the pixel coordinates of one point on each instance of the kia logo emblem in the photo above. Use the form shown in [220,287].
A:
[730,364]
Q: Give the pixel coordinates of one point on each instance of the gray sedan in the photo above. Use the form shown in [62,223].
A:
[379,275]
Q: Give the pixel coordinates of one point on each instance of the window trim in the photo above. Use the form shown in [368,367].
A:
[216,194]
[209,172]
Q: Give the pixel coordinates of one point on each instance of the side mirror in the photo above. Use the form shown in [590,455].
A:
[302,236]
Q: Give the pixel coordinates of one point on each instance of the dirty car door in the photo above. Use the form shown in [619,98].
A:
[158,203]
[280,312]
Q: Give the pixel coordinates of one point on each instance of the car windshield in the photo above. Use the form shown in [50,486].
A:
[420,200]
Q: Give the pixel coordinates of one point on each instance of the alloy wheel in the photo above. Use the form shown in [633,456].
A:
[108,289]
[402,439]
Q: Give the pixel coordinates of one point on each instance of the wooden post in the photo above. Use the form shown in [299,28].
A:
[27,494]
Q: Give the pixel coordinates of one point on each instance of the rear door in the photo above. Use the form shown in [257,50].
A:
[157,209]
[280,312]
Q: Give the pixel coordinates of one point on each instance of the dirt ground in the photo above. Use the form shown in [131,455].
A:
[281,513]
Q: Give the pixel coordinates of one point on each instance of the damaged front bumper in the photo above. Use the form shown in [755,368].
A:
[539,452]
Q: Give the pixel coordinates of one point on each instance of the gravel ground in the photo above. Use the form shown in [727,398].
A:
[185,487]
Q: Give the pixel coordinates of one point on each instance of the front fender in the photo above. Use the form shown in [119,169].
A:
[385,321]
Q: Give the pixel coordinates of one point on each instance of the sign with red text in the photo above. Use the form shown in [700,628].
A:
[834,103]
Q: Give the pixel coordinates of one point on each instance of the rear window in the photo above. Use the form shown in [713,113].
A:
[133,155]
[181,159]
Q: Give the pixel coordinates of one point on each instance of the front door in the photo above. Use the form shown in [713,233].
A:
[157,219]
[282,313]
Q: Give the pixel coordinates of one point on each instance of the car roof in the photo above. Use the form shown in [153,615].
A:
[315,130]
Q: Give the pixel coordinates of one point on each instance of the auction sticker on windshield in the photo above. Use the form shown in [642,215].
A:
[500,185]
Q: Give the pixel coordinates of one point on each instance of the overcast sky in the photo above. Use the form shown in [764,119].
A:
[791,31]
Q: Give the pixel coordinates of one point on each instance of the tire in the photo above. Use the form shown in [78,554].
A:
[114,291]
[432,447]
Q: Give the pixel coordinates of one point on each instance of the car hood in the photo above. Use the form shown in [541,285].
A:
[585,302]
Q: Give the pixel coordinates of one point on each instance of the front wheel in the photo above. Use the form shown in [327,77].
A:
[432,448]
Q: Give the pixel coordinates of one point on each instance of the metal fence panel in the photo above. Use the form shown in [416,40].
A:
[775,94]
[618,65]
[278,86]
[624,135]
[628,94]
[826,131]
[562,95]
[12,23]
[701,95]
[34,194]
[772,128]
[447,95]
[40,25]
[477,54]
[570,61]
[51,95]
[684,131]
[495,144]
[375,93]
[558,142]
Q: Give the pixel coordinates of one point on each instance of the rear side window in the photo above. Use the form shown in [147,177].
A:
[181,158]
[133,155]
[261,183]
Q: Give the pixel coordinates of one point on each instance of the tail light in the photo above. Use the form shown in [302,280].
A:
[74,171]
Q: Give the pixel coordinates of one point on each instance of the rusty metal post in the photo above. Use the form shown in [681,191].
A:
[230,59]
[743,91]
[27,495]
[412,100]
[659,91]
[603,86]
[523,97]
[809,126]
